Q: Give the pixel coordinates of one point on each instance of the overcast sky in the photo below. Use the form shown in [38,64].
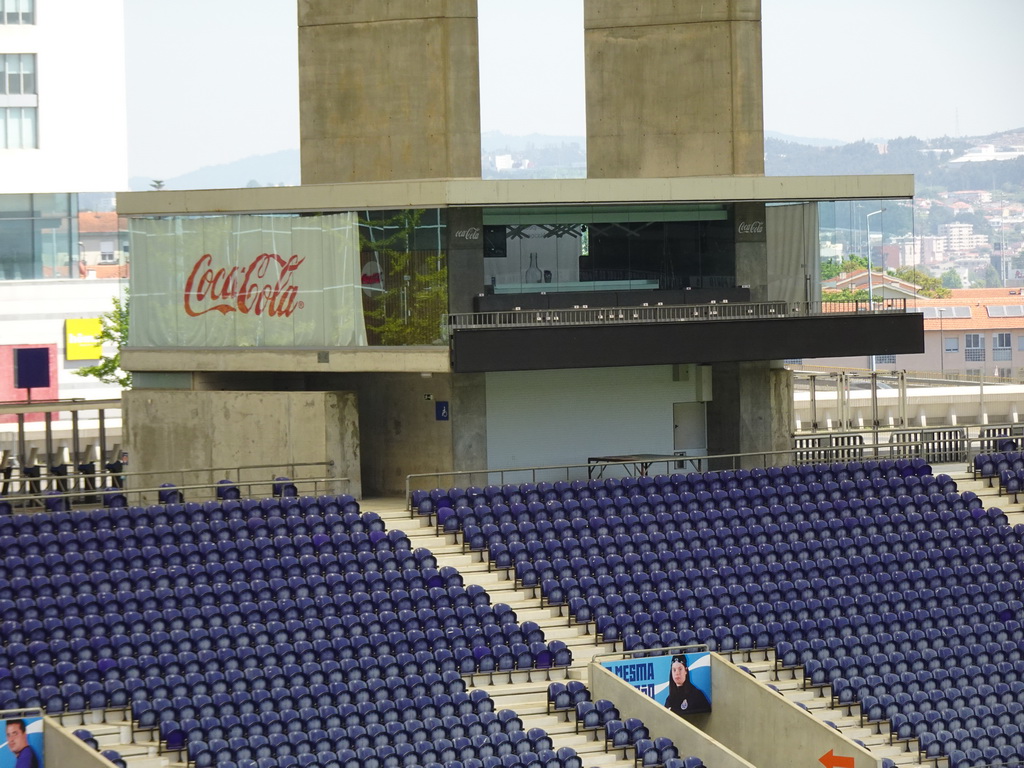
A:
[212,81]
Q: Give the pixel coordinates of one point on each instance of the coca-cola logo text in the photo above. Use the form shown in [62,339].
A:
[263,288]
[750,227]
[471,233]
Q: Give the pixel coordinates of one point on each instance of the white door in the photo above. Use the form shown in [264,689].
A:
[690,432]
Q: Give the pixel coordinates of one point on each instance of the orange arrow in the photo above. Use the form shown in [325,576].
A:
[832,760]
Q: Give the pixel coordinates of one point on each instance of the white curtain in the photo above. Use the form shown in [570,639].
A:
[246,281]
[793,252]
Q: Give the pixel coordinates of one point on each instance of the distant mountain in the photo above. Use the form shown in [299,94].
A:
[273,170]
[539,155]
[496,141]
[803,140]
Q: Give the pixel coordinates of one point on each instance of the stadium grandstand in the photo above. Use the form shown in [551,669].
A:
[428,471]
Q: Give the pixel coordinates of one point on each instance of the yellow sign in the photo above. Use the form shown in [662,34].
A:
[81,338]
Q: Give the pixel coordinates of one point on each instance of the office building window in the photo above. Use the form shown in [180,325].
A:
[18,128]
[17,12]
[952,344]
[1004,373]
[885,359]
[17,74]
[974,348]
[1001,346]
[18,101]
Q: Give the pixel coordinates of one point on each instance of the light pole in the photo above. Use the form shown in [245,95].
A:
[871,291]
[942,343]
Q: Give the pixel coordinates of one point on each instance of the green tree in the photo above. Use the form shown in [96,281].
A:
[987,278]
[408,311]
[847,295]
[114,329]
[157,184]
[951,279]
[927,285]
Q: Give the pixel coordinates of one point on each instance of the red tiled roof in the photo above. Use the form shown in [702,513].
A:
[98,221]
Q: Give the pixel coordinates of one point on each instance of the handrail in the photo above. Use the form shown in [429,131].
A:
[76,404]
[42,498]
[969,446]
[677,313]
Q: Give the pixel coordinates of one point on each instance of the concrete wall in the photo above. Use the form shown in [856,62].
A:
[399,429]
[390,89]
[749,725]
[191,430]
[775,732]
[685,733]
[61,748]
[673,88]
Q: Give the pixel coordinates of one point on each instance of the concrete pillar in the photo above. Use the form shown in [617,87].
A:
[673,88]
[389,89]
[752,410]
[465,257]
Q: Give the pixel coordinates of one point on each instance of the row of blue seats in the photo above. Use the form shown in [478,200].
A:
[957,744]
[795,583]
[797,652]
[359,526]
[382,757]
[760,635]
[1001,716]
[359,720]
[534,563]
[421,739]
[883,706]
[446,579]
[166,637]
[333,609]
[835,472]
[119,539]
[930,495]
[186,599]
[479,656]
[446,653]
[997,661]
[953,676]
[966,758]
[880,518]
[221,556]
[168,514]
[344,508]
[818,559]
[991,464]
[1002,542]
[814,502]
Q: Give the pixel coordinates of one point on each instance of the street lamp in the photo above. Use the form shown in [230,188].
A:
[871,291]
[942,343]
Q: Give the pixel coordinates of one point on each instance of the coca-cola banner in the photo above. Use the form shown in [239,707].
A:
[246,281]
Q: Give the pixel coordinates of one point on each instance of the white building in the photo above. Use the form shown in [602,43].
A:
[63,131]
[960,237]
[55,134]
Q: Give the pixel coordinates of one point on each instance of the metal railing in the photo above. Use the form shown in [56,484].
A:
[28,492]
[936,449]
[105,427]
[645,314]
